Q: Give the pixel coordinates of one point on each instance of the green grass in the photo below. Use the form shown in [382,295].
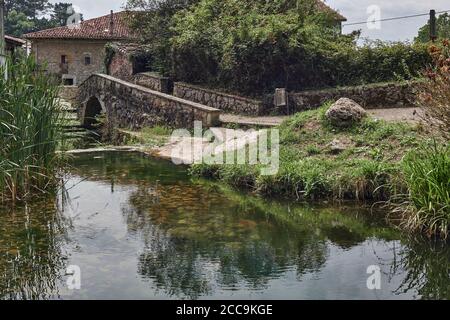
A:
[149,137]
[367,169]
[30,129]
[427,174]
[157,131]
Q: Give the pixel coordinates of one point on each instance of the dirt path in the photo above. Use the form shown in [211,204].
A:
[389,114]
[271,121]
[411,115]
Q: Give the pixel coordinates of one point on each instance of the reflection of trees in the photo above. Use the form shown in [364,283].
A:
[30,252]
[201,236]
[194,239]
[427,268]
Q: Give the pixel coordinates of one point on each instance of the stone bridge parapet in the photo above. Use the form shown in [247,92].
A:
[128,105]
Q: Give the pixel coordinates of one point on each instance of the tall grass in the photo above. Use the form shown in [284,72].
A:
[30,128]
[427,173]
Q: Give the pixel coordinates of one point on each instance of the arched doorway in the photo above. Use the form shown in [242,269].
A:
[92,112]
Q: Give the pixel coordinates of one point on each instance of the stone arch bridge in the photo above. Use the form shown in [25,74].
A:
[127,105]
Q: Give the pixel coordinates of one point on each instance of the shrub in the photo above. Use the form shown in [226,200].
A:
[29,130]
[434,94]
[252,47]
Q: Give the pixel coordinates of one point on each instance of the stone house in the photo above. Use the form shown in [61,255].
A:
[13,44]
[75,52]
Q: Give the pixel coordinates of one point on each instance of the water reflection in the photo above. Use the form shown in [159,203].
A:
[204,240]
[31,256]
[140,228]
[426,267]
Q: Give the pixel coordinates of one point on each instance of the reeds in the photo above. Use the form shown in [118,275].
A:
[30,129]
[427,173]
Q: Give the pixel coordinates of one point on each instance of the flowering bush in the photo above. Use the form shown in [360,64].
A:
[434,95]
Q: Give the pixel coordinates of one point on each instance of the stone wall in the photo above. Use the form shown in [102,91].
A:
[153,81]
[48,52]
[219,100]
[388,95]
[128,105]
[68,93]
[120,66]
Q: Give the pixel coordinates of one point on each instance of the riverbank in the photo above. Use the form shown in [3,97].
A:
[318,161]
[396,164]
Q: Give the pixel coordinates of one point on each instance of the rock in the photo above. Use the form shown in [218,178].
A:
[345,113]
[337,146]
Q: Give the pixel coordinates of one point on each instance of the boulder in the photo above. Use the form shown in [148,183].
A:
[345,113]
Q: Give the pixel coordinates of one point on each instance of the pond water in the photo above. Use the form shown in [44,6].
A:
[141,228]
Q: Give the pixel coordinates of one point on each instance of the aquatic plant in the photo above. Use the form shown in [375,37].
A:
[30,129]
[427,174]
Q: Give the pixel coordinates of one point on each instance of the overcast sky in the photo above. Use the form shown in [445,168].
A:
[354,10]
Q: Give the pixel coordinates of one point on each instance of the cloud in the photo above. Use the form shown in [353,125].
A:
[96,8]
[398,30]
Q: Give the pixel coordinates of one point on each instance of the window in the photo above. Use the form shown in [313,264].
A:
[87,60]
[68,82]
[63,59]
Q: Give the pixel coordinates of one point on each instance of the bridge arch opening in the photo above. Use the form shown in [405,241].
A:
[92,111]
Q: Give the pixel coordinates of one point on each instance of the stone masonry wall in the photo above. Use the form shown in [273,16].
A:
[121,67]
[68,93]
[132,106]
[390,95]
[223,101]
[153,81]
[49,52]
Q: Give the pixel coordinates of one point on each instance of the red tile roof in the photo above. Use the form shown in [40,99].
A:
[93,29]
[14,40]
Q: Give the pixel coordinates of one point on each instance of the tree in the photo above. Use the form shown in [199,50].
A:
[17,23]
[23,16]
[31,8]
[253,46]
[153,21]
[442,26]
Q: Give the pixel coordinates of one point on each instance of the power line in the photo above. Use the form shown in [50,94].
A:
[391,19]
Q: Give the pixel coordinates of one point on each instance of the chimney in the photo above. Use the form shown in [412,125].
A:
[111,23]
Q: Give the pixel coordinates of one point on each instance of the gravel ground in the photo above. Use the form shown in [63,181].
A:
[390,114]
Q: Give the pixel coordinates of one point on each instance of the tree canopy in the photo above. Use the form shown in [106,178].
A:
[23,16]
[254,46]
[442,28]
